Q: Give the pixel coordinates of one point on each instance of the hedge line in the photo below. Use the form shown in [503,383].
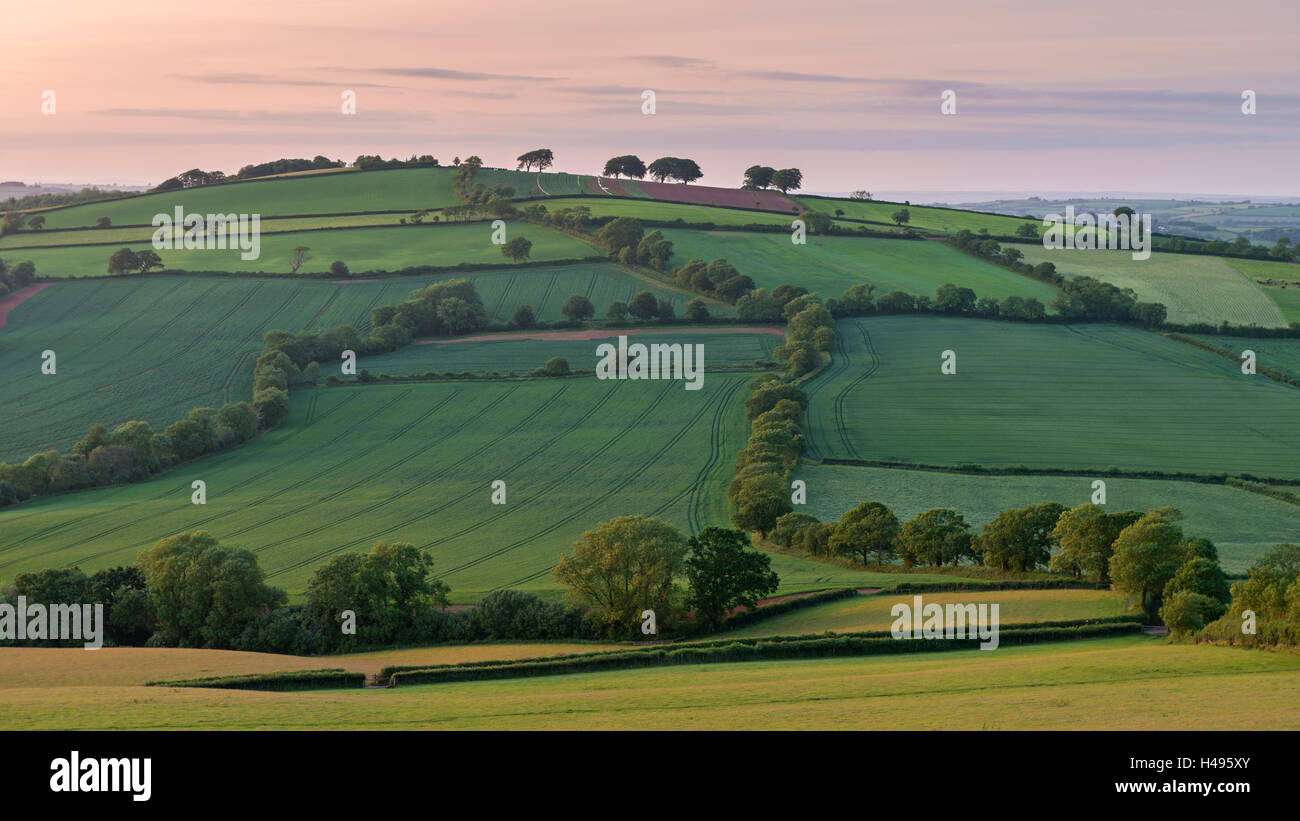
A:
[1025,584]
[1024,470]
[333,678]
[1264,490]
[756,651]
[757,614]
[1263,370]
[411,271]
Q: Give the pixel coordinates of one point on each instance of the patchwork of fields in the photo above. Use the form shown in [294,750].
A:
[356,465]
[830,265]
[1244,526]
[1082,397]
[151,348]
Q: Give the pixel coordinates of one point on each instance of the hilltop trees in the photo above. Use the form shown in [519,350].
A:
[540,159]
[675,168]
[787,179]
[628,165]
[758,176]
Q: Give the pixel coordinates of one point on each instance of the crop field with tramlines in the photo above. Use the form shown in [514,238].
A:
[415,462]
[1042,395]
[942,220]
[829,265]
[152,348]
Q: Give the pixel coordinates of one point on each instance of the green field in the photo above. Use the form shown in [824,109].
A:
[1192,288]
[862,614]
[13,246]
[1286,293]
[363,249]
[668,211]
[944,220]
[1123,683]
[340,193]
[1081,397]
[151,348]
[1283,354]
[356,465]
[829,265]
[721,347]
[1243,525]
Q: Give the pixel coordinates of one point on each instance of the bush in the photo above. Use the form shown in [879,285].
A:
[1186,612]
[557,366]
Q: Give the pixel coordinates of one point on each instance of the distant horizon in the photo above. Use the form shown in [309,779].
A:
[1063,99]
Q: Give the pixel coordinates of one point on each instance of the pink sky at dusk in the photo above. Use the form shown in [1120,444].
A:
[1050,96]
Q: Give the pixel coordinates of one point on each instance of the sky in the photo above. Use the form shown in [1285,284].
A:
[1049,96]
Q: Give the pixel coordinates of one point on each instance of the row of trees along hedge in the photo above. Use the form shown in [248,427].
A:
[1145,555]
[190,591]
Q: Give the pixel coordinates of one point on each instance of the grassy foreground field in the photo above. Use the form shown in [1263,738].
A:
[151,348]
[867,613]
[829,265]
[1082,397]
[384,248]
[1192,288]
[1123,683]
[1244,526]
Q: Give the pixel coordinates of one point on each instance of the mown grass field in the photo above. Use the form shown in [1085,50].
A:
[151,348]
[387,248]
[1286,294]
[1125,683]
[868,613]
[721,347]
[829,265]
[1244,526]
[415,462]
[338,193]
[944,220]
[1082,397]
[1192,288]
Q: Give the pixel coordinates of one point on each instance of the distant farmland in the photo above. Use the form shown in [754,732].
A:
[1080,397]
[1193,288]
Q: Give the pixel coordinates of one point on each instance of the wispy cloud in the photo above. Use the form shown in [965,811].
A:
[671,61]
[452,74]
[240,78]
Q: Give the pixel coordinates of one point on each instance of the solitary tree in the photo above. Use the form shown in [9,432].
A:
[299,255]
[578,308]
[722,573]
[517,249]
[902,216]
[122,261]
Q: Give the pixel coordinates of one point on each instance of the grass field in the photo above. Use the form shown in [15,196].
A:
[151,348]
[1123,683]
[1079,397]
[829,265]
[13,246]
[1192,288]
[363,249]
[356,465]
[867,613]
[1286,294]
[721,347]
[1283,354]
[943,220]
[339,193]
[667,211]
[1243,525]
